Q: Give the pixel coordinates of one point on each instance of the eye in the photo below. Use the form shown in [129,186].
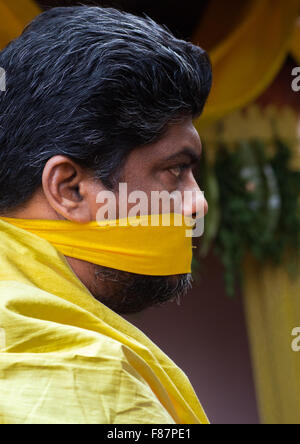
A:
[178,170]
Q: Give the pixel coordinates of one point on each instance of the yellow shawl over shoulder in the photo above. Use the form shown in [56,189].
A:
[67,358]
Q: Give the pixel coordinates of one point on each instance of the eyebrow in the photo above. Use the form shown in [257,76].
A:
[189,152]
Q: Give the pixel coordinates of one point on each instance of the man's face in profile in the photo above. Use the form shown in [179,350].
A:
[70,192]
[95,99]
[100,84]
[164,166]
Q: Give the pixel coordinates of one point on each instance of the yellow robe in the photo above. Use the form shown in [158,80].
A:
[67,358]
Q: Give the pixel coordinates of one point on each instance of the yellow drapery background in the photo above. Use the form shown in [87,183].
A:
[271,296]
[296,42]
[250,53]
[272,307]
[248,42]
[14,15]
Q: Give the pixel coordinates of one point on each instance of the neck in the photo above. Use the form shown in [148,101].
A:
[36,208]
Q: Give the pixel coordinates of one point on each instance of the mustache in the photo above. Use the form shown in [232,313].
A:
[129,293]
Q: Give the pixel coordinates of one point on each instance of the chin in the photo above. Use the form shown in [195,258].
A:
[128,293]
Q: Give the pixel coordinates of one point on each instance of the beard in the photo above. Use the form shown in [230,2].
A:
[129,293]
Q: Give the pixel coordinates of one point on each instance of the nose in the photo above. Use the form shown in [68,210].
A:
[194,203]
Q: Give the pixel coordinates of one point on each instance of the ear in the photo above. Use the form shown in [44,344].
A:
[69,189]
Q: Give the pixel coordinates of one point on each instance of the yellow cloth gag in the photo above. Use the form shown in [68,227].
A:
[141,245]
[67,358]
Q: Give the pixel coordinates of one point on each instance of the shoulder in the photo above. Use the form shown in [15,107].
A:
[78,387]
[59,365]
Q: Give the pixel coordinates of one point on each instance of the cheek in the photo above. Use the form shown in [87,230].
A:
[144,177]
[94,204]
[138,178]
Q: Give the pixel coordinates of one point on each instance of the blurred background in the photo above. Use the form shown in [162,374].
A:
[232,333]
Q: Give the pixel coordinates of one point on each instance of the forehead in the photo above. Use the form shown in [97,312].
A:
[178,136]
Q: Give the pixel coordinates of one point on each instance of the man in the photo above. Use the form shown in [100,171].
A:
[94,97]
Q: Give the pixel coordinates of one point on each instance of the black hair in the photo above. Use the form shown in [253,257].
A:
[91,83]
